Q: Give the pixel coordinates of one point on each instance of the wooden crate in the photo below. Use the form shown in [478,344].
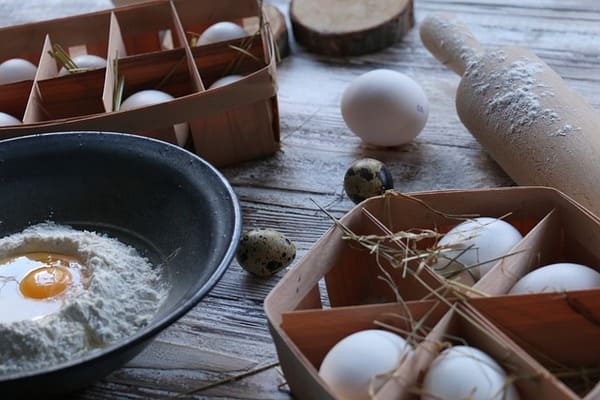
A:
[150,44]
[335,290]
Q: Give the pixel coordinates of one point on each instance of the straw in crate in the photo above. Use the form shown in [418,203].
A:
[555,228]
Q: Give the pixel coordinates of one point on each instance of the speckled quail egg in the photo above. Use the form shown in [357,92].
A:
[367,178]
[263,252]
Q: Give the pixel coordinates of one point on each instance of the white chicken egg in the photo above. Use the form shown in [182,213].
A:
[16,70]
[85,62]
[474,247]
[149,97]
[464,372]
[8,120]
[226,80]
[219,32]
[385,107]
[351,366]
[557,278]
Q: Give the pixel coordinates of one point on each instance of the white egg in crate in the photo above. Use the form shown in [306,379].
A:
[226,80]
[464,372]
[8,120]
[16,70]
[469,250]
[353,365]
[149,97]
[385,107]
[219,32]
[85,62]
[557,277]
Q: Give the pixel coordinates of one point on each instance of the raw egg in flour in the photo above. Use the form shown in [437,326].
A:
[33,285]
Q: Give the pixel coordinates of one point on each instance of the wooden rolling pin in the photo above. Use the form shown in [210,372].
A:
[540,131]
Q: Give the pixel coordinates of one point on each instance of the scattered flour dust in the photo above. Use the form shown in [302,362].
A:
[518,94]
[122,295]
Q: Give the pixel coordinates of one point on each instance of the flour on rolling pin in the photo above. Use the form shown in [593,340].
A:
[350,27]
[519,100]
[539,130]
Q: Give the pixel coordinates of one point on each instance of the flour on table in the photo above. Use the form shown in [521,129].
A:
[123,294]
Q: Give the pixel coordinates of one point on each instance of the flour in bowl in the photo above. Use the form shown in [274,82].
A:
[119,293]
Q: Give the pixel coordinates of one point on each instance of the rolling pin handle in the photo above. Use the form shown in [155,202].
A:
[451,42]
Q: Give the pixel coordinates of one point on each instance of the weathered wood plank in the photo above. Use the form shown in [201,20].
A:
[226,334]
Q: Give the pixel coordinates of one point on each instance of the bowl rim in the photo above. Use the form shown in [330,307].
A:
[148,332]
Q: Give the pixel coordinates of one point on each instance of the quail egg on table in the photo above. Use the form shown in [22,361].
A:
[264,252]
[16,70]
[367,178]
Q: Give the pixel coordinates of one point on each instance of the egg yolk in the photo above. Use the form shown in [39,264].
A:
[36,284]
[44,282]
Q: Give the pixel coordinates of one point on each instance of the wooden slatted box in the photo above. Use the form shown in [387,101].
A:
[335,289]
[149,44]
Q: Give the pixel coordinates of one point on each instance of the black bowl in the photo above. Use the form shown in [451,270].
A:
[168,203]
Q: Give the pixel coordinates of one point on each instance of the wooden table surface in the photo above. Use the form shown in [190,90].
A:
[226,334]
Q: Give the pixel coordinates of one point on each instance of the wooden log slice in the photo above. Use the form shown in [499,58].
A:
[350,27]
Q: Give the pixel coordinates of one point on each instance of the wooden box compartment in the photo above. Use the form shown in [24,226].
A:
[146,44]
[337,273]
[559,330]
[195,21]
[166,71]
[27,41]
[14,97]
[71,96]
[251,110]
[561,236]
[313,332]
[465,326]
[159,30]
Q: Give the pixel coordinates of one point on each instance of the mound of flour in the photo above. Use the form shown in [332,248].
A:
[122,293]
